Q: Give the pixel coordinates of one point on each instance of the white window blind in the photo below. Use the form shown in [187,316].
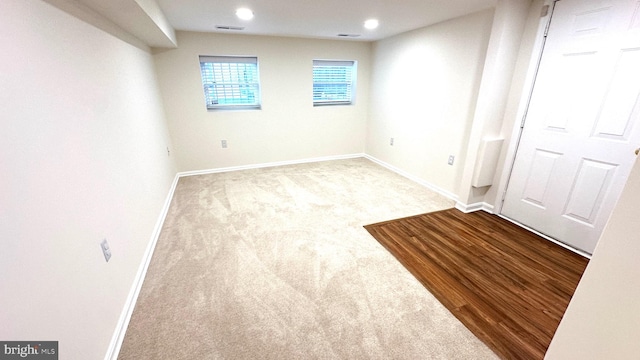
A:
[230,81]
[333,82]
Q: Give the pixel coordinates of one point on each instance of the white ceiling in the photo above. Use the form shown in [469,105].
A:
[317,18]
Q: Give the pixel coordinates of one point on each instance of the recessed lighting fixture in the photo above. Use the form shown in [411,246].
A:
[371,24]
[244,14]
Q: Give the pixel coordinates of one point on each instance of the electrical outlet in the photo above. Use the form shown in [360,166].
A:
[106,251]
[391,142]
[224,144]
[451,158]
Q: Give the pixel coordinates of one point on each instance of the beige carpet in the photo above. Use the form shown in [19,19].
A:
[274,264]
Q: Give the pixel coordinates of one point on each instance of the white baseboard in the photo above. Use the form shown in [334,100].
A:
[467,208]
[271,164]
[413,178]
[127,311]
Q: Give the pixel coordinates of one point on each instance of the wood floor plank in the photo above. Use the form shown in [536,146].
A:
[509,286]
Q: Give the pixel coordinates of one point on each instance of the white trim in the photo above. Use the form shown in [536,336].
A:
[127,311]
[413,178]
[467,208]
[271,164]
[488,208]
[547,237]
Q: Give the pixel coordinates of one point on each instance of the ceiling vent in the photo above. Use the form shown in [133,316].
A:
[224,27]
[349,35]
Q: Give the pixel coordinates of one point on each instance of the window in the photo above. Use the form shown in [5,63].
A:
[333,82]
[230,82]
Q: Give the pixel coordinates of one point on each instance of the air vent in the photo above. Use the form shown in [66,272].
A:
[349,35]
[224,27]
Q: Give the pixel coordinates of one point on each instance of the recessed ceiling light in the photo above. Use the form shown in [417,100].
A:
[371,24]
[244,14]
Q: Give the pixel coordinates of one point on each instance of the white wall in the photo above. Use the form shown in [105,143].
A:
[603,317]
[287,127]
[424,87]
[83,157]
[509,22]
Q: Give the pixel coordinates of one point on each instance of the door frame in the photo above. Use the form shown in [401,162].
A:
[523,105]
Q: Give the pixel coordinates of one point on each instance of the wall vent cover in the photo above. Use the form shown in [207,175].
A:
[349,35]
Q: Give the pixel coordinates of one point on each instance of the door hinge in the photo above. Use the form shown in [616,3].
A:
[504,196]
[545,11]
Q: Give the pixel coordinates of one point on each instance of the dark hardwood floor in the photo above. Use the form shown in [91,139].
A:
[508,286]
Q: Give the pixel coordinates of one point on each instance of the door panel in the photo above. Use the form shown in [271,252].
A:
[616,118]
[585,198]
[577,145]
[539,177]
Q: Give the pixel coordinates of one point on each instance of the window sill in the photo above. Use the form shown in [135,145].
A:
[234,107]
[332,103]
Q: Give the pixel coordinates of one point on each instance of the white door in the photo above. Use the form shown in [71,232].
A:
[582,126]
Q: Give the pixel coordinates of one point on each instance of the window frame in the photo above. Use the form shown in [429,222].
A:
[249,88]
[349,82]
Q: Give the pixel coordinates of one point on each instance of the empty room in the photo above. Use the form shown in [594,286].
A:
[217,179]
